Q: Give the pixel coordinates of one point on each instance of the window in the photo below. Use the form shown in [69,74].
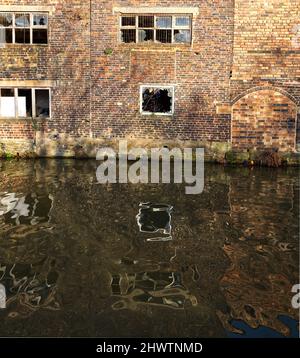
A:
[23,28]
[161,29]
[24,103]
[157,100]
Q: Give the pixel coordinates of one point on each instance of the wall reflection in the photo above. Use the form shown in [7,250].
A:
[192,266]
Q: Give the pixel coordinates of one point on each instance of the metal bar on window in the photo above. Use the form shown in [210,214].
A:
[33,103]
[137,29]
[31,27]
[16,94]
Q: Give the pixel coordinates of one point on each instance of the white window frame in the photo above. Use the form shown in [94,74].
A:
[155,28]
[162,87]
[31,27]
[33,100]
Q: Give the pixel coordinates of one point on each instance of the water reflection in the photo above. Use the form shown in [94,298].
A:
[151,288]
[29,209]
[27,286]
[78,258]
[155,218]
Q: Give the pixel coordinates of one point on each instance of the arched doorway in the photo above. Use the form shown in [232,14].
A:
[264,119]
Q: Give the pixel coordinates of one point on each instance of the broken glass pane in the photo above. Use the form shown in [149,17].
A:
[128,36]
[146,35]
[183,21]
[5,35]
[22,20]
[164,36]
[146,21]
[128,21]
[182,36]
[40,20]
[6,20]
[7,103]
[24,103]
[42,103]
[164,22]
[156,100]
[22,36]
[40,36]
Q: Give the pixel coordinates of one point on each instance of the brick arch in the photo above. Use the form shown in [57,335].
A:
[264,119]
[260,88]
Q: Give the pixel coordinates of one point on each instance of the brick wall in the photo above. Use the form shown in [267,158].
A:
[266,53]
[264,119]
[65,62]
[96,79]
[200,73]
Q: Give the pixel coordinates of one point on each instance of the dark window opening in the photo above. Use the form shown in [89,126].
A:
[146,21]
[42,103]
[128,21]
[128,36]
[164,36]
[40,36]
[22,36]
[157,100]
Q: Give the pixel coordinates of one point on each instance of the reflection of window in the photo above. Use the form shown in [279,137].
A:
[157,100]
[162,28]
[24,103]
[23,28]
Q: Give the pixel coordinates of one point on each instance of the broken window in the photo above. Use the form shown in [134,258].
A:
[40,29]
[24,103]
[23,28]
[156,100]
[156,28]
[42,103]
[6,28]
[7,102]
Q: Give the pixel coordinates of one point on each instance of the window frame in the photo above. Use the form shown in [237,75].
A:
[33,104]
[31,27]
[173,28]
[162,87]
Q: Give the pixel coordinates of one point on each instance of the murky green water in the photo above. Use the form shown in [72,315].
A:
[82,259]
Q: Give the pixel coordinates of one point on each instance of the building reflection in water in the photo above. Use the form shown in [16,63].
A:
[151,288]
[26,286]
[163,288]
[257,285]
[218,264]
[2,296]
[155,218]
[30,209]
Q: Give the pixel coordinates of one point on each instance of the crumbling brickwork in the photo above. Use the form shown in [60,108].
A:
[238,47]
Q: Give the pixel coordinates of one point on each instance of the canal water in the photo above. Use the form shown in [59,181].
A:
[82,259]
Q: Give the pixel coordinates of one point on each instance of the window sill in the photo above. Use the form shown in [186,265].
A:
[23,45]
[150,114]
[155,45]
[10,120]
